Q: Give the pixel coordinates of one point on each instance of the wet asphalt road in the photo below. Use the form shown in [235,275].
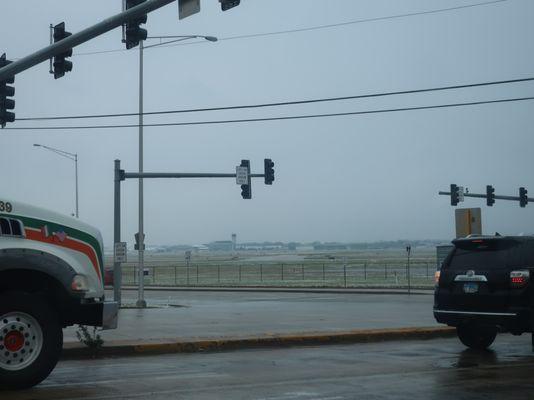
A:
[435,369]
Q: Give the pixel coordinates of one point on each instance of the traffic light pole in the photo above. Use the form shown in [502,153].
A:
[121,175]
[117,267]
[81,37]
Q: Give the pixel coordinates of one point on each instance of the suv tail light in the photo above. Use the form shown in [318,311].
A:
[437,274]
[520,278]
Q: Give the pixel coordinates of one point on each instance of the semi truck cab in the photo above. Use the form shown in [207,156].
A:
[51,277]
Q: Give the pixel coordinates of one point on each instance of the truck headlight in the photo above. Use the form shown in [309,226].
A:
[79,283]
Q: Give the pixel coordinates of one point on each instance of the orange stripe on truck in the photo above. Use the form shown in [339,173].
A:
[67,243]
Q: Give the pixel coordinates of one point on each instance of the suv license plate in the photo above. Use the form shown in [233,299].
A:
[470,287]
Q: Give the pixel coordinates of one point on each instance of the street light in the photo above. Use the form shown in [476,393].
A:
[141,260]
[70,156]
[178,39]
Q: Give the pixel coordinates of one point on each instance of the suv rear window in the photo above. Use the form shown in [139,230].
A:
[490,254]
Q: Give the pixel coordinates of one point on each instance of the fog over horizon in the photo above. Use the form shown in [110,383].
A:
[351,179]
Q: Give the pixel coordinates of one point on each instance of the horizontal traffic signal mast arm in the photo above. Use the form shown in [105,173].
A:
[81,37]
[483,196]
[136,175]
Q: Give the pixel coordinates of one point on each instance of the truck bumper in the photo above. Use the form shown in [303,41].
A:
[102,314]
[110,315]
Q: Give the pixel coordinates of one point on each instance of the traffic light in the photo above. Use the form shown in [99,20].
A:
[61,66]
[246,190]
[227,4]
[6,91]
[523,199]
[134,33]
[490,195]
[269,171]
[455,194]
[136,245]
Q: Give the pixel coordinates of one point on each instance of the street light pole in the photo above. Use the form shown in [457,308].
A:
[141,296]
[141,303]
[70,156]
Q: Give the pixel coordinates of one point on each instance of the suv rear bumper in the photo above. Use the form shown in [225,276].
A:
[515,321]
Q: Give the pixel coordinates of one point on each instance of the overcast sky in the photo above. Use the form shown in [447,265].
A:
[351,178]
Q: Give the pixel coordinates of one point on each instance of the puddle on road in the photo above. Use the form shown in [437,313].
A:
[473,359]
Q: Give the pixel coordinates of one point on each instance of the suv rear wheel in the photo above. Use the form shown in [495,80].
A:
[476,337]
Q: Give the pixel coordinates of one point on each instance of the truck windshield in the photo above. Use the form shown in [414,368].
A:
[490,254]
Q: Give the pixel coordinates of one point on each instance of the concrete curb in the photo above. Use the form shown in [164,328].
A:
[414,291]
[170,346]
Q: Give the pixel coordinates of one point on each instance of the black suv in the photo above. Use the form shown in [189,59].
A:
[483,287]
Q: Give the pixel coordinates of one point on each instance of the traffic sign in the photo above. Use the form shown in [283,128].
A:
[186,8]
[120,252]
[468,221]
[241,174]
[461,192]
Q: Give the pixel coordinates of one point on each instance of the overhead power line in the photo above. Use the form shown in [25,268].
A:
[283,118]
[361,21]
[319,27]
[286,103]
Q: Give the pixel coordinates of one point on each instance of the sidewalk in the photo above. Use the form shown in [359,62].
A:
[178,319]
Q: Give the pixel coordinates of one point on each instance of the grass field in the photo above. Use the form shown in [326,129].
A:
[377,268]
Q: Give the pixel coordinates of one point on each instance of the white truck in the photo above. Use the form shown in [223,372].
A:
[51,277]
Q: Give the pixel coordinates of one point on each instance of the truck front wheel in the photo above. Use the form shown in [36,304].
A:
[31,340]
